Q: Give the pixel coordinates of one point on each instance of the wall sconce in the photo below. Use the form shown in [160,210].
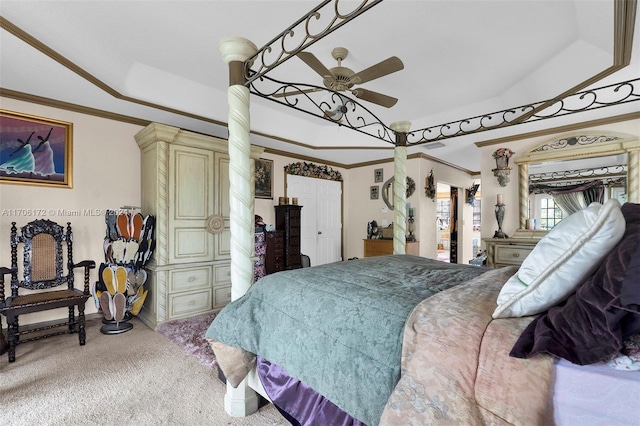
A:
[430,186]
[502,169]
[471,193]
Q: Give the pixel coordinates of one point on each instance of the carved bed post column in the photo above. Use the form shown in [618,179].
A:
[240,401]
[400,186]
[234,52]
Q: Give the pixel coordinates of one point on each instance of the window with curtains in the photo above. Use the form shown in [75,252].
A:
[552,202]
[477,213]
[549,212]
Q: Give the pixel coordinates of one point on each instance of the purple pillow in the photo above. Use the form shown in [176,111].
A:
[592,323]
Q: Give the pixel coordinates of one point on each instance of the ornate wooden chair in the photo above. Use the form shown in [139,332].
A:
[43,255]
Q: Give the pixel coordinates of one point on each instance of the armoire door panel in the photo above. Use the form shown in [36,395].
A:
[223,244]
[192,186]
[222,173]
[222,207]
[191,245]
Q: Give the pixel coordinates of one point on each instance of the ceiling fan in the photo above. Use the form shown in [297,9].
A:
[342,79]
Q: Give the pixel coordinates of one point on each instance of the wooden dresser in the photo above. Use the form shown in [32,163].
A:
[288,221]
[508,251]
[378,247]
[274,256]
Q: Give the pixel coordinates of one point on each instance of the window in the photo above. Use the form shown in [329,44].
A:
[550,213]
[443,212]
[477,209]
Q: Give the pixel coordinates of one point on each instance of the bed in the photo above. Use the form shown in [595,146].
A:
[480,350]
[406,340]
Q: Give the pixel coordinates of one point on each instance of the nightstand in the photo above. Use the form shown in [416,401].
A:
[508,251]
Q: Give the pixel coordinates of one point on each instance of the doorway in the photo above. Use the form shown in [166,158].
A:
[443,218]
[320,217]
[447,223]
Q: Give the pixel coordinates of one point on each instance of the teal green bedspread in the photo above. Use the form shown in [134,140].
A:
[338,327]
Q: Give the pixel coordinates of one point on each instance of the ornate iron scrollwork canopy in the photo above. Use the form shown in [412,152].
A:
[347,112]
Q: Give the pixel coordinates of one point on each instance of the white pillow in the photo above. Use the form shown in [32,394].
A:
[562,260]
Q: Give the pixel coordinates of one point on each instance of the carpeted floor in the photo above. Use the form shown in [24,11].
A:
[134,378]
[188,333]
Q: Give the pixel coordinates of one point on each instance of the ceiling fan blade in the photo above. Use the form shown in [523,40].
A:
[294,92]
[374,97]
[315,64]
[378,70]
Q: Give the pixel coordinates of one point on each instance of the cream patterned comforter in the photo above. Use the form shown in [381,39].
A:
[456,367]
[455,364]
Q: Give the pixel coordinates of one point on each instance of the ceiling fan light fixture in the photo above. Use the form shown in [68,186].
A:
[341,79]
[336,114]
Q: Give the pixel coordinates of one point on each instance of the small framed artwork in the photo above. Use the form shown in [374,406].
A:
[374,192]
[35,150]
[378,175]
[264,179]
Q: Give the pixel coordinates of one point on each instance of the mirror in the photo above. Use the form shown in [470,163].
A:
[387,191]
[576,160]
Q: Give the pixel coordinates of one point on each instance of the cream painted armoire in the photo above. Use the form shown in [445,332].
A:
[185,184]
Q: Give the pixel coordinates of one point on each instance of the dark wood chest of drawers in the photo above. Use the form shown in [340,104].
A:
[274,256]
[288,221]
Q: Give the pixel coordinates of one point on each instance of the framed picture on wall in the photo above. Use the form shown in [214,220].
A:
[35,150]
[378,175]
[374,192]
[264,179]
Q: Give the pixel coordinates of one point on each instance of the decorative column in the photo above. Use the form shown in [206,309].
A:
[523,194]
[240,401]
[400,186]
[633,173]
[234,52]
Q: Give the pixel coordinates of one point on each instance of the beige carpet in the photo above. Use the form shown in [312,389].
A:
[134,378]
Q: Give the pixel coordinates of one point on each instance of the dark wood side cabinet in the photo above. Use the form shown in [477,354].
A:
[274,256]
[288,220]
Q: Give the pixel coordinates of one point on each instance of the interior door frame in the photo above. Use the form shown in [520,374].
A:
[342,230]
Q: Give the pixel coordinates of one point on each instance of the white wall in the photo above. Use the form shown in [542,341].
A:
[360,209]
[106,175]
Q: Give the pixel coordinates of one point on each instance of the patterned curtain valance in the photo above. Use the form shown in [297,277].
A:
[312,170]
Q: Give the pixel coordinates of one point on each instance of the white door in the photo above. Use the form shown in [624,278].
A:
[321,217]
[304,189]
